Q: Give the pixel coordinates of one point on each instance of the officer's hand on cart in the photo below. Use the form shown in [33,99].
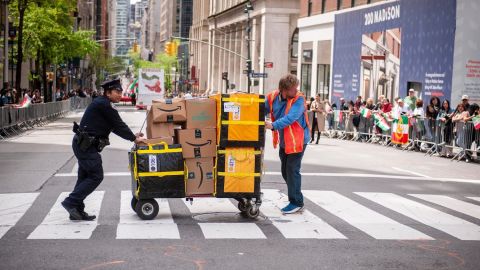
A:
[140,139]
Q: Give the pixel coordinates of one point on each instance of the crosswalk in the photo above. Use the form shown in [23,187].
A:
[455,216]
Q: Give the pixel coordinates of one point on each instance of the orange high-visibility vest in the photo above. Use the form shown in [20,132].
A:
[294,133]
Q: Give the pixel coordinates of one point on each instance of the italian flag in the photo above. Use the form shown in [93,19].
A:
[366,113]
[400,130]
[476,122]
[381,122]
[338,116]
[25,102]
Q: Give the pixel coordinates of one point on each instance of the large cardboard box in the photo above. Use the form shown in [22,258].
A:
[169,111]
[201,113]
[158,130]
[200,176]
[168,140]
[197,143]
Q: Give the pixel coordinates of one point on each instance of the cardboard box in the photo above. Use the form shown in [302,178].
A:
[200,177]
[158,130]
[169,111]
[201,113]
[168,140]
[197,143]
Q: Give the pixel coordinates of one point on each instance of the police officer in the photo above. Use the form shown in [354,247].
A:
[91,136]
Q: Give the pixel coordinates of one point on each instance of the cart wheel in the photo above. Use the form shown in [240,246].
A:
[252,212]
[133,203]
[242,206]
[147,209]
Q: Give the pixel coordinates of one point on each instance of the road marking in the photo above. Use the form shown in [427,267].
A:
[347,176]
[12,208]
[132,227]
[474,198]
[57,225]
[449,224]
[223,230]
[75,168]
[301,225]
[411,172]
[466,208]
[209,205]
[363,218]
[231,231]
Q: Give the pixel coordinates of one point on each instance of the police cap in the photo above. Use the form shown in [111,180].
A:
[112,85]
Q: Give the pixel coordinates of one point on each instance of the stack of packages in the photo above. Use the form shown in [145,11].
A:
[158,167]
[199,144]
[241,138]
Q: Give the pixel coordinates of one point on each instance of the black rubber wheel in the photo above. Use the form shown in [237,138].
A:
[133,203]
[147,209]
[251,213]
[242,206]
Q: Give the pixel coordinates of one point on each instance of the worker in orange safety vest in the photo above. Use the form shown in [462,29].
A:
[289,124]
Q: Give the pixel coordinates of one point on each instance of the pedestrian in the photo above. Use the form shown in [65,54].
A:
[446,127]
[290,127]
[134,98]
[100,118]
[318,119]
[465,103]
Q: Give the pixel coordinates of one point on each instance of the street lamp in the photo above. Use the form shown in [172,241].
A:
[247,10]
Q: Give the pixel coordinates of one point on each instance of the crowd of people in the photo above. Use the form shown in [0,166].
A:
[9,96]
[436,117]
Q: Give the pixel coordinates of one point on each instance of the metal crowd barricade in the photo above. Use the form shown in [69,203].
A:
[14,120]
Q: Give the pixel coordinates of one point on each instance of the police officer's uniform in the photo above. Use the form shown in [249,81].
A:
[100,118]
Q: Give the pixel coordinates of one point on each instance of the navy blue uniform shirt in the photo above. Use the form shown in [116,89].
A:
[101,118]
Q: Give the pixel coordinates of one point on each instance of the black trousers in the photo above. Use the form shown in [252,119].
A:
[90,175]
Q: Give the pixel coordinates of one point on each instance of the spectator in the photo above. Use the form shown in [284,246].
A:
[459,120]
[58,95]
[379,105]
[435,103]
[399,109]
[343,105]
[465,103]
[134,98]
[349,125]
[417,120]
[446,127]
[329,111]
[387,106]
[411,99]
[473,110]
[37,97]
[358,103]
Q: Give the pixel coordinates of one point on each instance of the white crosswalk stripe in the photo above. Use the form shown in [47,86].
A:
[374,224]
[57,225]
[304,225]
[432,217]
[12,208]
[299,225]
[132,227]
[466,208]
[223,230]
[474,198]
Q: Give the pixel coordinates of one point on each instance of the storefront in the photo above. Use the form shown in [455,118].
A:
[389,47]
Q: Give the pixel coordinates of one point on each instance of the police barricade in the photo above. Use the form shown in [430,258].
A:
[14,119]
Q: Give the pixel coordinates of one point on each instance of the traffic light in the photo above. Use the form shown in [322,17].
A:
[248,64]
[168,48]
[224,75]
[174,48]
[50,76]
[135,47]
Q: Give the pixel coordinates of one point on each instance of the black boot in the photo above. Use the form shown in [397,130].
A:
[85,216]
[318,139]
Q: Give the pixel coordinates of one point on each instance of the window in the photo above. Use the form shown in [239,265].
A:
[294,44]
[309,8]
[306,79]
[323,81]
[324,3]
[339,4]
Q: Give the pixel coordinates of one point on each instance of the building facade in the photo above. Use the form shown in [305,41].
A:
[272,26]
[120,42]
[198,46]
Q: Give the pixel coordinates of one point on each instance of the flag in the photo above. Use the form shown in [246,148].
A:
[381,122]
[387,117]
[134,86]
[366,113]
[476,122]
[338,116]
[25,102]
[400,130]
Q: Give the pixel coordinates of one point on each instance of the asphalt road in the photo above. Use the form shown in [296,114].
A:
[367,207]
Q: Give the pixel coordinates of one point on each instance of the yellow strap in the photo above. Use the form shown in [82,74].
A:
[237,174]
[239,151]
[244,123]
[240,100]
[161,174]
[164,151]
